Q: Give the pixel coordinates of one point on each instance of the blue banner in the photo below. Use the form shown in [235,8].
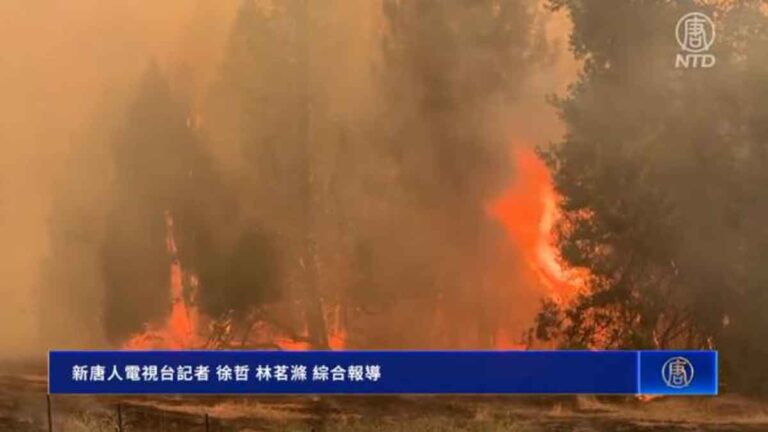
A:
[383,372]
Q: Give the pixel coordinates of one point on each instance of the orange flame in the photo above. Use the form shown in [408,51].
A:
[180,329]
[528,210]
[337,334]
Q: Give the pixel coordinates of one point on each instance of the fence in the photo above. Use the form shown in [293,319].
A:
[118,417]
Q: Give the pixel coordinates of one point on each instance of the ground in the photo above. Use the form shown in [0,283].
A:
[23,408]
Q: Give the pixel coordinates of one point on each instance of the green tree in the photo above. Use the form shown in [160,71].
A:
[658,174]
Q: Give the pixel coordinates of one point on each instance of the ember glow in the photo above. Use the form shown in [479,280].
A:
[528,210]
[337,336]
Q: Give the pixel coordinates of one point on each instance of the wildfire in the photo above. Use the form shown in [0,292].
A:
[180,329]
[528,210]
[337,336]
[184,329]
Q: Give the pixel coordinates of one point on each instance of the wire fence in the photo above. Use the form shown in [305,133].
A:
[117,421]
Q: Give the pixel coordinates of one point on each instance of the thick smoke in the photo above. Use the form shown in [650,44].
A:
[350,173]
[67,75]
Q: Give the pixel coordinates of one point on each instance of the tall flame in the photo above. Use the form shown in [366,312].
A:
[528,211]
[180,330]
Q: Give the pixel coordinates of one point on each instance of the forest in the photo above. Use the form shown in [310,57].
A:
[392,175]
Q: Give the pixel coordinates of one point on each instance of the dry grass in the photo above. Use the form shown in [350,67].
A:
[22,409]
[233,409]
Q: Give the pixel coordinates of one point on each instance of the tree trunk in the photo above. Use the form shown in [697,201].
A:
[314,308]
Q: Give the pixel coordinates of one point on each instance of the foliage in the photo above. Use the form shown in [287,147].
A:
[659,173]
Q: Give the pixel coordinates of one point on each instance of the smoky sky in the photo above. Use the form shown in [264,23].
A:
[69,74]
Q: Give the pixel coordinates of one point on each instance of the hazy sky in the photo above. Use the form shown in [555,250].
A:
[59,58]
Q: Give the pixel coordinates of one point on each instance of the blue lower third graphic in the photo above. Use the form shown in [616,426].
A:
[383,372]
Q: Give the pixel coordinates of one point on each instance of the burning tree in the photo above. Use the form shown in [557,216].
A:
[657,173]
[158,210]
[262,103]
[171,264]
[437,153]
[449,72]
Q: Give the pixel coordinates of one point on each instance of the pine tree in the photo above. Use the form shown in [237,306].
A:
[160,169]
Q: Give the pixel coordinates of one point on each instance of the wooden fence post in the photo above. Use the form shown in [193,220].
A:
[119,417]
[50,416]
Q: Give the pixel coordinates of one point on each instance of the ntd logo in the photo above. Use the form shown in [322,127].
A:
[695,34]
